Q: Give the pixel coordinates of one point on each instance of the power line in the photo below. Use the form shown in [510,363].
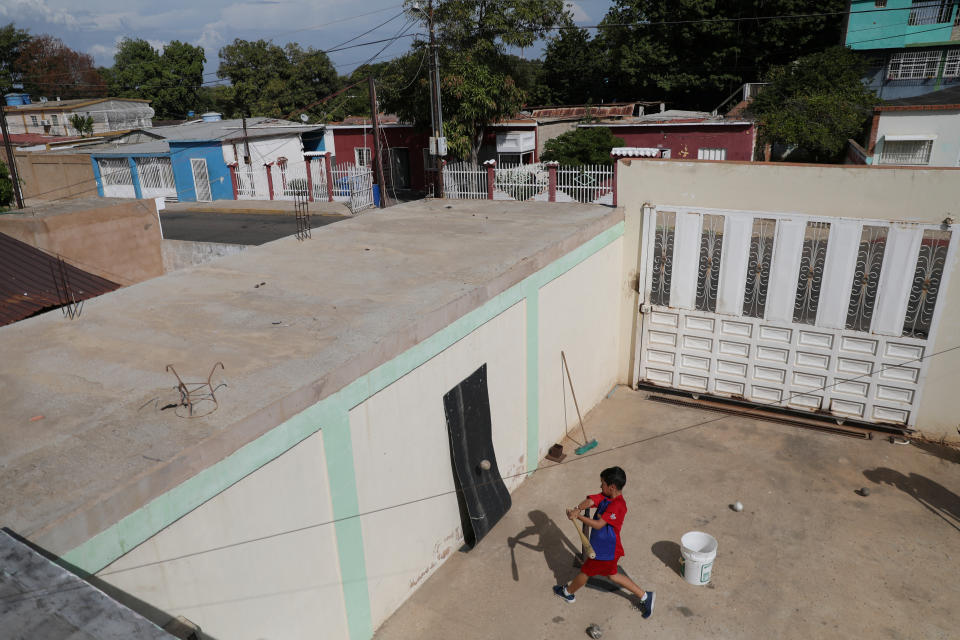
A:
[517,475]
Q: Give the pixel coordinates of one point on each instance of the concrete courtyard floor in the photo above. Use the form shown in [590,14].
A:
[808,557]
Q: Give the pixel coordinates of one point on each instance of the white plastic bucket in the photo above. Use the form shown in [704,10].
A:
[699,551]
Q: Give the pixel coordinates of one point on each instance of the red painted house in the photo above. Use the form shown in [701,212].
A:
[687,134]
[404,148]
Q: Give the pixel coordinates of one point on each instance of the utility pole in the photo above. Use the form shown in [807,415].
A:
[377,159]
[13,164]
[438,144]
[246,144]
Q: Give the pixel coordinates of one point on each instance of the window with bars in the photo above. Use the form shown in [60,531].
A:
[758,267]
[879,4]
[951,67]
[115,171]
[913,65]
[663,258]
[910,152]
[361,156]
[34,121]
[810,278]
[708,269]
[930,12]
[926,283]
[866,278]
[711,154]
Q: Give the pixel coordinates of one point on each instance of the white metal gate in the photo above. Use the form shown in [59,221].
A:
[823,314]
[361,191]
[201,179]
[116,178]
[156,178]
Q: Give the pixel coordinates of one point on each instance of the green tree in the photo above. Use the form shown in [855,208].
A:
[477,86]
[587,145]
[182,68]
[572,68]
[83,124]
[269,80]
[11,42]
[6,186]
[137,71]
[694,53]
[170,80]
[816,103]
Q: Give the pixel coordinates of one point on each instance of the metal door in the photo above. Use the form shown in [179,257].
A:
[400,168]
[822,314]
[201,179]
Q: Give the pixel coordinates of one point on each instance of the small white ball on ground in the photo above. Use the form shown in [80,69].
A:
[738,506]
[485,465]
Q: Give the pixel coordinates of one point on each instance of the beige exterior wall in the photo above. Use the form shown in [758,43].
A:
[272,574]
[120,241]
[46,176]
[912,195]
[260,559]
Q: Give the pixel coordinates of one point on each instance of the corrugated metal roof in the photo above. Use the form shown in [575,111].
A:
[29,281]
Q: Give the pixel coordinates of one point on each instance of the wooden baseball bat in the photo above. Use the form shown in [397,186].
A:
[583,538]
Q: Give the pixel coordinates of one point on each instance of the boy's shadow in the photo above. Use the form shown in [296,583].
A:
[932,495]
[561,555]
[554,545]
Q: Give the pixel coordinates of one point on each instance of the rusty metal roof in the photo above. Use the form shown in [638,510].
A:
[30,281]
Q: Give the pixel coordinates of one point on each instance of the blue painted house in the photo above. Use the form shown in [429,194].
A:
[191,161]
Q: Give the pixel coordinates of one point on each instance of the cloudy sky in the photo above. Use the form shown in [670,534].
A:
[95,26]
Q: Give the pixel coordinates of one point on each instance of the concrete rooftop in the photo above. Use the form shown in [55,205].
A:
[86,432]
[808,557]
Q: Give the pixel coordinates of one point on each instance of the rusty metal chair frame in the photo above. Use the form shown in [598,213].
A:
[190,391]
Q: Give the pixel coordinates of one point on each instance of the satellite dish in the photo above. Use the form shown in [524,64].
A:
[304,117]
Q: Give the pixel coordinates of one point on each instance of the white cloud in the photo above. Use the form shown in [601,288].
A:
[579,15]
[25,10]
[102,54]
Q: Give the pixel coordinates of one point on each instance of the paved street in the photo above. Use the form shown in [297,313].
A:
[200,226]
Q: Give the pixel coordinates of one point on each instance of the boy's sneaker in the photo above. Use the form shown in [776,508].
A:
[647,605]
[561,591]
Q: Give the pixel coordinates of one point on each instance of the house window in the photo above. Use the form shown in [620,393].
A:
[930,12]
[915,152]
[880,4]
[912,65]
[509,159]
[711,154]
[361,156]
[56,120]
[951,68]
[34,121]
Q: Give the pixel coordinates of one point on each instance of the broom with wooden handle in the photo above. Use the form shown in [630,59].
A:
[587,445]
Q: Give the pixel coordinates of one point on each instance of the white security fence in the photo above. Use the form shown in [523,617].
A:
[344,182]
[587,183]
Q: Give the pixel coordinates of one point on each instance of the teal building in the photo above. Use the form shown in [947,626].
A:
[912,46]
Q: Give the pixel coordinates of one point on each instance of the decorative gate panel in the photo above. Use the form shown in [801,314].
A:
[827,315]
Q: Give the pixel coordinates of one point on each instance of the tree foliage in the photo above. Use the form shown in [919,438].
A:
[11,43]
[6,186]
[83,124]
[587,145]
[49,67]
[270,80]
[478,84]
[692,53]
[170,80]
[816,103]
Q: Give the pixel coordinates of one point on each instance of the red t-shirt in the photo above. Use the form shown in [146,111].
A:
[612,512]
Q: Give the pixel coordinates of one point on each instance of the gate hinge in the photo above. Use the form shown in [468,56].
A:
[645,308]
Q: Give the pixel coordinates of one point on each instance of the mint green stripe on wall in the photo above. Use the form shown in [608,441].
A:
[533,377]
[332,416]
